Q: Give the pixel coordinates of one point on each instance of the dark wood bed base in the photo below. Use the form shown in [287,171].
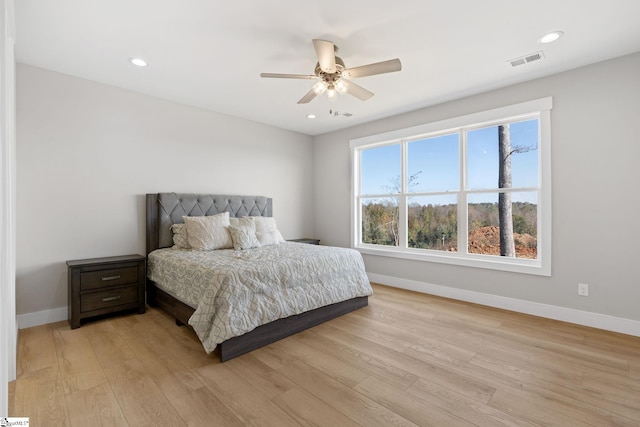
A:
[260,336]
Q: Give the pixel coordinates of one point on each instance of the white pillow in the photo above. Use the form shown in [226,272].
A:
[267,230]
[207,233]
[269,237]
[244,221]
[180,239]
[244,237]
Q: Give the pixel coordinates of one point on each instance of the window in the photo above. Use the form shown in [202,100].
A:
[473,190]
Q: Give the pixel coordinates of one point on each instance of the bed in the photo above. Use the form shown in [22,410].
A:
[204,289]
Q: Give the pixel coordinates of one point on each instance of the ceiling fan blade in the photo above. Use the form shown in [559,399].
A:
[288,76]
[357,91]
[326,53]
[372,69]
[308,97]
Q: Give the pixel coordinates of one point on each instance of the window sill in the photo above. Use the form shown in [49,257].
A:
[514,265]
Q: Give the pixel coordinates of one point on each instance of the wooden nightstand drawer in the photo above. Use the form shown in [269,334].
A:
[100,286]
[112,277]
[122,295]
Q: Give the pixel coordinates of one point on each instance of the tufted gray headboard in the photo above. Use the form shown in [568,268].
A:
[166,209]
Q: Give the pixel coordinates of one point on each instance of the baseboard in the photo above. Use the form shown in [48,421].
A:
[38,318]
[585,318]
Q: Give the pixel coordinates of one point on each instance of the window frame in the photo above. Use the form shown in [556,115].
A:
[539,108]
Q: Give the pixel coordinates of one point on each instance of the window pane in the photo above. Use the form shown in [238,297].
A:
[380,221]
[433,223]
[434,164]
[521,154]
[482,158]
[484,224]
[524,162]
[381,170]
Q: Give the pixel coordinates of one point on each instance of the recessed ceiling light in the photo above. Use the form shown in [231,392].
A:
[311,116]
[551,37]
[138,62]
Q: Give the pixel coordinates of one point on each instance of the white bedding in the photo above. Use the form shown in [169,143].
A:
[233,291]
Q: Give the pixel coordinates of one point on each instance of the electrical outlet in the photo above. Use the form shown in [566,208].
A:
[583,289]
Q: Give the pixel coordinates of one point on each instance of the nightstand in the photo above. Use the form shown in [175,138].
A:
[306,240]
[100,286]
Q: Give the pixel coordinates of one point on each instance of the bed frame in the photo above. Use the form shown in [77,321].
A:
[165,209]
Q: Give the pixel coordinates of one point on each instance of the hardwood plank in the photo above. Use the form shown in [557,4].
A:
[470,409]
[12,395]
[40,397]
[599,409]
[576,352]
[96,406]
[343,372]
[536,360]
[342,398]
[244,401]
[307,410]
[140,399]
[463,312]
[166,368]
[202,408]
[33,348]
[374,359]
[534,409]
[408,405]
[421,355]
[160,331]
[77,361]
[417,367]
[634,367]
[410,338]
[402,303]
[266,380]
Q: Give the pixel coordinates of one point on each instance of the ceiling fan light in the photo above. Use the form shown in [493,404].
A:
[341,87]
[319,87]
[332,94]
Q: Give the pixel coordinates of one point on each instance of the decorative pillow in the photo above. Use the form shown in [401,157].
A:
[180,239]
[267,230]
[244,221]
[207,233]
[269,237]
[244,237]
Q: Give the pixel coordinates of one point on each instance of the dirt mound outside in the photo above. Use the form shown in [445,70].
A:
[486,240]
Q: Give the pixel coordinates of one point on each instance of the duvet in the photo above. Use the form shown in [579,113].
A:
[235,291]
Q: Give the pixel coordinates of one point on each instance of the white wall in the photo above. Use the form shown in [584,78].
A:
[87,153]
[595,175]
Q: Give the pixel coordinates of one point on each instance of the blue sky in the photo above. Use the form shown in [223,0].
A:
[437,160]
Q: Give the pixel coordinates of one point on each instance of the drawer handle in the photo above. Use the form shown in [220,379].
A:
[104,279]
[107,299]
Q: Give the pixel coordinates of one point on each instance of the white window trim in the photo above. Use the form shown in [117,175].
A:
[541,266]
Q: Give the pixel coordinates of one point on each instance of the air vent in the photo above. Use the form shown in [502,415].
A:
[532,57]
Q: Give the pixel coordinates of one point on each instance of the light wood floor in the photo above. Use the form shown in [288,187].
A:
[407,359]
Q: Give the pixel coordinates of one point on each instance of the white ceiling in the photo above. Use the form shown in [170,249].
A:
[209,53]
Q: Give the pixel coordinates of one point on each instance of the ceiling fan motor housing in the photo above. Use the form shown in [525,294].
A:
[330,77]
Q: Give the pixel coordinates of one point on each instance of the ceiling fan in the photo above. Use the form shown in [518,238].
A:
[333,74]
